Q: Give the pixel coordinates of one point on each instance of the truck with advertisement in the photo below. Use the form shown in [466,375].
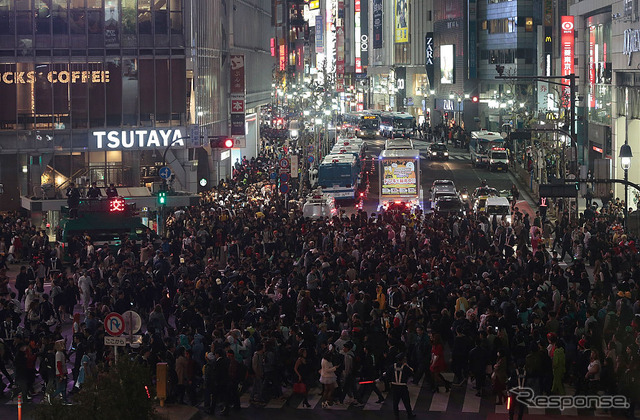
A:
[399,171]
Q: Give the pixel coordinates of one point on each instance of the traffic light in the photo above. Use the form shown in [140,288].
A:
[221,143]
[162,198]
[475,99]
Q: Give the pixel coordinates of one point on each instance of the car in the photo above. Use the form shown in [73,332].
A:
[499,207]
[484,191]
[319,206]
[440,182]
[449,206]
[438,151]
[442,191]
[498,159]
[480,204]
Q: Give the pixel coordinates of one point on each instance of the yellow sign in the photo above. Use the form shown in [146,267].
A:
[402,21]
[30,77]
[314,4]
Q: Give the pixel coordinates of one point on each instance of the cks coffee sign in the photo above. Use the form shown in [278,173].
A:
[138,139]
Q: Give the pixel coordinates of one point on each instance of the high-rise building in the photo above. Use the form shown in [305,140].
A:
[106,90]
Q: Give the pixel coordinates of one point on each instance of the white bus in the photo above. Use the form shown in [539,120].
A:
[480,144]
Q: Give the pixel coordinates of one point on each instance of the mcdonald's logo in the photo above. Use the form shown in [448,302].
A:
[547,39]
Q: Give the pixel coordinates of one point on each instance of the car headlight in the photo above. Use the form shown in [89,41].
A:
[433,153]
[446,153]
[491,161]
[507,161]
[465,196]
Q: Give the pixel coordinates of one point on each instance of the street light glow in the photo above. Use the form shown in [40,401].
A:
[318,121]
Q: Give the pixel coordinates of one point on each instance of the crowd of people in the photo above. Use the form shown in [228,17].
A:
[244,295]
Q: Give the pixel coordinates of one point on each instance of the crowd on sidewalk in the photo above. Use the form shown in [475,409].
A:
[245,295]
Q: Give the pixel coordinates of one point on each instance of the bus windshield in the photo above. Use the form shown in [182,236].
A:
[370,123]
[403,123]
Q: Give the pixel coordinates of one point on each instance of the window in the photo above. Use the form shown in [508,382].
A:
[500,26]
[484,25]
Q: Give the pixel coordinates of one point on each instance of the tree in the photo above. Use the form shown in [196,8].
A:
[123,392]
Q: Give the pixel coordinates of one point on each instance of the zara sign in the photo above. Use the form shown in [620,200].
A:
[139,139]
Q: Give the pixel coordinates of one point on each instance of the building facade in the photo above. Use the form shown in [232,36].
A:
[109,90]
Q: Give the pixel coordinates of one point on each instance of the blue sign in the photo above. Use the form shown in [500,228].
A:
[273,176]
[165,172]
[284,177]
[319,34]
[284,188]
[310,159]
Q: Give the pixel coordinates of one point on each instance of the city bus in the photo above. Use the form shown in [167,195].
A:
[106,222]
[481,143]
[362,124]
[349,148]
[338,176]
[397,124]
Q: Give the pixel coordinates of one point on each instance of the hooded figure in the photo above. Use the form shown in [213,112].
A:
[559,368]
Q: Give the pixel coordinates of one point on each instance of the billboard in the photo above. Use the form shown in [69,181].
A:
[447,64]
[377,24]
[472,56]
[319,34]
[364,34]
[399,177]
[357,35]
[340,39]
[567,42]
[401,21]
[428,57]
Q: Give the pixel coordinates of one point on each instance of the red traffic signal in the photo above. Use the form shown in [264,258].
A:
[475,99]
[221,143]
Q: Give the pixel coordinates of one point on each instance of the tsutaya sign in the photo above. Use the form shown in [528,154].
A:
[138,139]
[30,77]
[631,43]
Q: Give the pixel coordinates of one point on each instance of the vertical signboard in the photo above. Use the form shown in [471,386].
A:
[377,24]
[340,47]
[401,21]
[364,34]
[401,86]
[592,66]
[472,27]
[237,91]
[567,48]
[428,58]
[356,35]
[319,34]
[330,34]
[282,55]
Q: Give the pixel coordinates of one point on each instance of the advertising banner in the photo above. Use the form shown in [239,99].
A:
[401,21]
[399,177]
[357,35]
[364,34]
[447,64]
[428,58]
[238,95]
[377,24]
[319,34]
[567,47]
[340,39]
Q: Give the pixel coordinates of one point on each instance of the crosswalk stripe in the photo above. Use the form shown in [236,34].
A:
[414,391]
[313,400]
[501,409]
[244,400]
[440,401]
[471,400]
[536,411]
[569,390]
[372,404]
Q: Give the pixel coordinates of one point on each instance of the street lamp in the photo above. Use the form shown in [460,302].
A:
[625,163]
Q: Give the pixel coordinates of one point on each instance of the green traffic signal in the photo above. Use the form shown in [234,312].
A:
[162,198]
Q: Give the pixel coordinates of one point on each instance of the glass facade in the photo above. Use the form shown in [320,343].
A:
[75,64]
[599,60]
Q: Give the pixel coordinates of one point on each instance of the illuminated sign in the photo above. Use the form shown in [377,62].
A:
[314,4]
[273,47]
[357,36]
[402,21]
[447,64]
[116,205]
[64,77]
[137,139]
[377,24]
[319,34]
[567,46]
[631,43]
[399,177]
[428,57]
[283,56]
[597,149]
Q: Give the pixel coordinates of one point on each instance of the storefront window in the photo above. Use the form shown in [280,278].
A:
[129,92]
[79,100]
[176,16]
[111,24]
[144,17]
[78,17]
[128,16]
[6,17]
[24,23]
[161,17]
[114,93]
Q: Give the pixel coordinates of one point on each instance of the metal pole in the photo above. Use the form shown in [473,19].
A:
[626,199]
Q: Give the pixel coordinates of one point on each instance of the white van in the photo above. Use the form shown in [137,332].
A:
[498,206]
[398,144]
[319,206]
[498,159]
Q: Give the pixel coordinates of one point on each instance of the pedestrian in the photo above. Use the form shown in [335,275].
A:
[73,200]
[438,364]
[328,377]
[61,372]
[400,374]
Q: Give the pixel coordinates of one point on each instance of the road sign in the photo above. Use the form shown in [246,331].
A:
[310,159]
[194,136]
[284,177]
[284,188]
[115,341]
[273,176]
[294,166]
[114,324]
[132,322]
[165,172]
[310,148]
[284,163]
